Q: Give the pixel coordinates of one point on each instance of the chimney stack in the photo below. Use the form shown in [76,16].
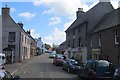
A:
[80,12]
[119,4]
[28,32]
[20,24]
[6,10]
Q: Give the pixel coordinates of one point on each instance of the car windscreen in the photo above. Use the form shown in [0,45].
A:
[60,57]
[103,63]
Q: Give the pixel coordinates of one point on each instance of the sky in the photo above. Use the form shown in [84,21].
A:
[48,19]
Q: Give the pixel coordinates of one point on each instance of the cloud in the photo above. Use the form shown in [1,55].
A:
[55,20]
[115,4]
[37,3]
[34,34]
[67,24]
[12,9]
[61,7]
[65,9]
[27,15]
[56,37]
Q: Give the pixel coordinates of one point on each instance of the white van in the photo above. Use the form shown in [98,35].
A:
[2,59]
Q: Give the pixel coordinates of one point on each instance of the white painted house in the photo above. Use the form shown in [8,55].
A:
[40,45]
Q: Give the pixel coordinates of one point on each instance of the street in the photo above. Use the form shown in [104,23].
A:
[40,67]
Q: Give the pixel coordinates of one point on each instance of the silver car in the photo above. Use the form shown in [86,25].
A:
[117,74]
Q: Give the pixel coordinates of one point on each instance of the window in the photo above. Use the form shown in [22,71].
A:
[68,43]
[28,41]
[11,37]
[91,43]
[73,43]
[68,34]
[79,29]
[73,31]
[116,37]
[79,42]
[99,39]
[22,37]
[103,63]
[25,39]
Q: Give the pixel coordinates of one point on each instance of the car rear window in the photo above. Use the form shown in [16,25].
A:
[103,63]
[73,62]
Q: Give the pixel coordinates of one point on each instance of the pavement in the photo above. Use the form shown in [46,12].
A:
[12,68]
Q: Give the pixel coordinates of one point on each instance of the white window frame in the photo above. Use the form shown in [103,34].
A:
[116,37]
[91,43]
[99,39]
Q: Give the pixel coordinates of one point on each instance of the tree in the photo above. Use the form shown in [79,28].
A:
[47,46]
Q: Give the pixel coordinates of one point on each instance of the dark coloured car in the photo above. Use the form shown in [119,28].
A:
[97,69]
[117,74]
[58,59]
[71,66]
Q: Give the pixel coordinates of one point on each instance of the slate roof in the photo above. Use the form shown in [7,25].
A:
[93,16]
[109,20]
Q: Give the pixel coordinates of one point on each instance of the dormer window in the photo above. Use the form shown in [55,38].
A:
[74,32]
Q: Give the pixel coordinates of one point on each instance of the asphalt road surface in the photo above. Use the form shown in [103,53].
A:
[41,67]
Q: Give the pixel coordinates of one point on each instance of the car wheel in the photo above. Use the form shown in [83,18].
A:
[63,68]
[55,63]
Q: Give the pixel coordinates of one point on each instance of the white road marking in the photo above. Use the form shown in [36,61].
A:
[41,75]
[25,72]
[25,65]
[19,69]
[14,72]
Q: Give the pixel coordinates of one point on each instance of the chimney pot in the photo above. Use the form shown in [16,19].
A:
[80,12]
[6,10]
[80,9]
[6,5]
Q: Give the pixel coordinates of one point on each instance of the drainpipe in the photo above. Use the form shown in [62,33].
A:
[118,56]
[86,24]
[20,46]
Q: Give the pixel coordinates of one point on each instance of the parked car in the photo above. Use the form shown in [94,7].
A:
[117,74]
[58,59]
[2,59]
[97,69]
[52,55]
[71,65]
